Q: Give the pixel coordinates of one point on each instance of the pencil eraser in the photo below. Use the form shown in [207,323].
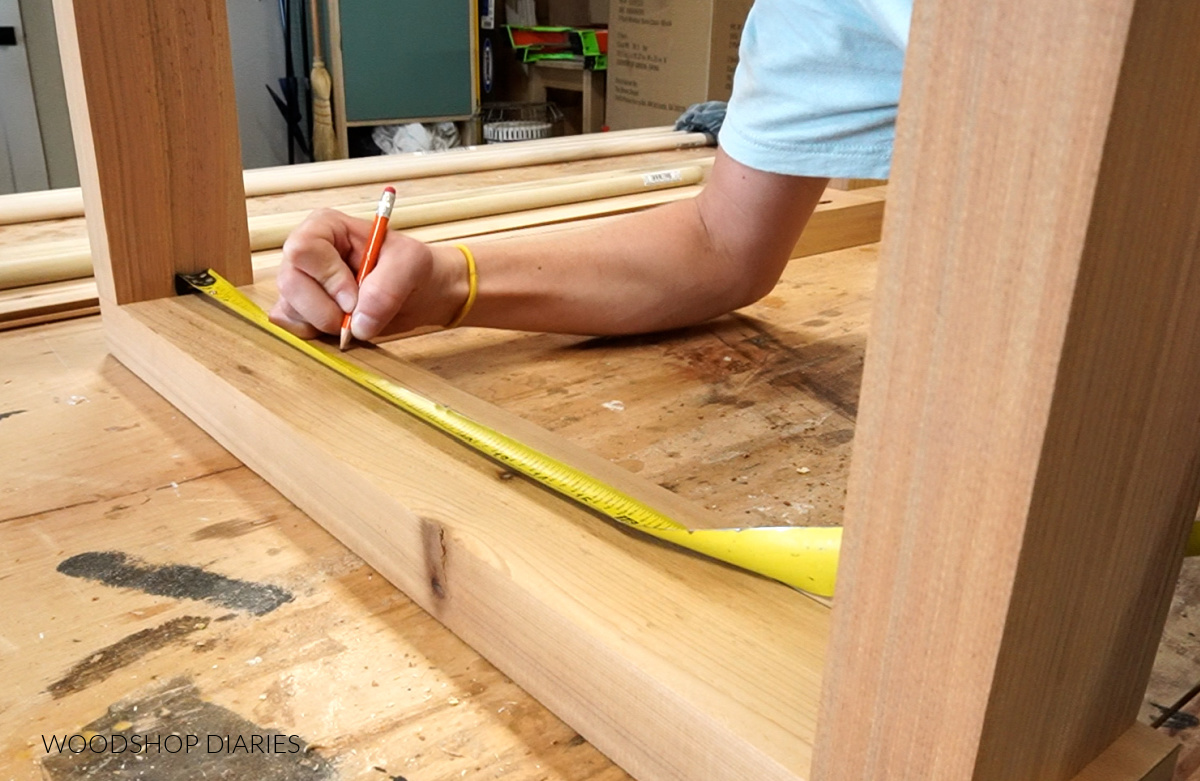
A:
[390,189]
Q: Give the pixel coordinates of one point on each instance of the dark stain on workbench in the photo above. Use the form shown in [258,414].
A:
[180,581]
[831,370]
[226,745]
[102,663]
[10,413]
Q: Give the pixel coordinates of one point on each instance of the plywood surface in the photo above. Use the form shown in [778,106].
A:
[372,684]
[751,416]
[1175,680]
[78,418]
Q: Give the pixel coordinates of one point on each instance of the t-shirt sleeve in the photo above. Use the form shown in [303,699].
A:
[817,87]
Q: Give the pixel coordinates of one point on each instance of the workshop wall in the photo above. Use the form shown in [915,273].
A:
[256,37]
[49,94]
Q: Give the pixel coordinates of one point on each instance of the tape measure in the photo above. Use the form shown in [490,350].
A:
[804,557]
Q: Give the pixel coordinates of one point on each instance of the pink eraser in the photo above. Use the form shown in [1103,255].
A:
[390,189]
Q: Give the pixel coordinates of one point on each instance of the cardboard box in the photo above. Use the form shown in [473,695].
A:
[664,55]
[574,13]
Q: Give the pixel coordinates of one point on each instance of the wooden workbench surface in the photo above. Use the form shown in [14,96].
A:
[150,579]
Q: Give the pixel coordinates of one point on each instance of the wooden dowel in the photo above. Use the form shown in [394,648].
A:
[64,259]
[68,202]
[364,170]
[44,205]
[49,261]
[270,231]
[551,217]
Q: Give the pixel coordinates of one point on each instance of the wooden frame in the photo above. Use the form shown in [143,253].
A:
[1027,453]
[1027,460]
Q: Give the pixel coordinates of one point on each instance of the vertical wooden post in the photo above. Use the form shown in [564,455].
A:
[150,89]
[1026,459]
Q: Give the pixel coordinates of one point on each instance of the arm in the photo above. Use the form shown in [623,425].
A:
[671,266]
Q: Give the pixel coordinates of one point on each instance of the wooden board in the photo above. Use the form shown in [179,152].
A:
[155,126]
[1139,753]
[1028,455]
[329,651]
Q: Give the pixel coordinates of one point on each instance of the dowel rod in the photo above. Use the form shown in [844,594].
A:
[52,261]
[270,231]
[64,202]
[364,170]
[68,202]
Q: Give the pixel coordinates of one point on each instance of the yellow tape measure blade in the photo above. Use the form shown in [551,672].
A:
[803,557]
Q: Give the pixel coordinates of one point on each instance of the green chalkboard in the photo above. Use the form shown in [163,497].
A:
[406,59]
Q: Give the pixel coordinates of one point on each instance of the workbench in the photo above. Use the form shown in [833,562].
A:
[147,568]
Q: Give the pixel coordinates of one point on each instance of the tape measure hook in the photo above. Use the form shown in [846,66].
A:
[184,283]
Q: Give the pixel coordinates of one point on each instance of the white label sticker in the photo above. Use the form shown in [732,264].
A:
[661,177]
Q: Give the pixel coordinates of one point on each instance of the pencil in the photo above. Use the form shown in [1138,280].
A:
[371,253]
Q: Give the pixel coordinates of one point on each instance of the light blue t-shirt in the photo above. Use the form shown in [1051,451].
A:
[817,87]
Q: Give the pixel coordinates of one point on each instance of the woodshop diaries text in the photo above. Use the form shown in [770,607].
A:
[174,743]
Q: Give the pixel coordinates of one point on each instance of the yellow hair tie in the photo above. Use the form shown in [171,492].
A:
[473,290]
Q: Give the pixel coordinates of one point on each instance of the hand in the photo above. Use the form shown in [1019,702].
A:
[317,280]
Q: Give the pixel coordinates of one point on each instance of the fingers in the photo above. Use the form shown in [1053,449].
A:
[307,301]
[315,280]
[317,285]
[404,265]
[284,316]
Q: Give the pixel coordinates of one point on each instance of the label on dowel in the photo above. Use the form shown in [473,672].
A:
[662,177]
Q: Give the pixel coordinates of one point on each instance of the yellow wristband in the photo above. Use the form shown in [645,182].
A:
[473,289]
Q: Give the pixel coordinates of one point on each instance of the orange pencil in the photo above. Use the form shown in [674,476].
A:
[371,254]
